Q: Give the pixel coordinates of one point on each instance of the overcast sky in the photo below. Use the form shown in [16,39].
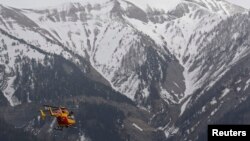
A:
[34,3]
[45,3]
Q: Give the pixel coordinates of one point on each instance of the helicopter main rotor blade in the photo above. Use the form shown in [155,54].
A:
[55,107]
[49,106]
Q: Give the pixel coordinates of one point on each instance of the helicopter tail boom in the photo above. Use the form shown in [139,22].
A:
[43,115]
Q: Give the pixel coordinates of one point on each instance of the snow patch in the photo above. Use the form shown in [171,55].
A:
[190,84]
[171,131]
[176,85]
[237,82]
[166,5]
[9,92]
[83,138]
[165,95]
[213,102]
[28,98]
[238,89]
[145,92]
[184,106]
[203,109]
[214,111]
[224,93]
[247,84]
[38,118]
[146,28]
[137,127]
[236,35]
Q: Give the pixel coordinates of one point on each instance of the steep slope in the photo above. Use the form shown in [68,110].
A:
[12,52]
[90,30]
[227,85]
[54,80]
[110,36]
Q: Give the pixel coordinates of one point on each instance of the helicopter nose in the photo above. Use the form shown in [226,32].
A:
[71,121]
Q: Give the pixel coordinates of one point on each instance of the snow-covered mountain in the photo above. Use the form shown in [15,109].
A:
[164,55]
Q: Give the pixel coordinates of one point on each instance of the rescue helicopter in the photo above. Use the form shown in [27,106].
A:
[63,116]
